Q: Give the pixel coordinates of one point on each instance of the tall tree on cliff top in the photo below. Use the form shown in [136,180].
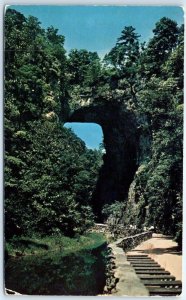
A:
[124,57]
[164,41]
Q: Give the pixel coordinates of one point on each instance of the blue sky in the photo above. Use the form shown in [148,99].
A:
[96,28]
[90,133]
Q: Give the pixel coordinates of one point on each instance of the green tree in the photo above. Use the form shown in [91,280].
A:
[159,48]
[124,59]
[45,164]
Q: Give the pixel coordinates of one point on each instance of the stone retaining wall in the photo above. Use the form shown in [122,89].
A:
[131,242]
[122,279]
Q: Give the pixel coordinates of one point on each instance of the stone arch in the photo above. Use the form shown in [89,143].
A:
[121,144]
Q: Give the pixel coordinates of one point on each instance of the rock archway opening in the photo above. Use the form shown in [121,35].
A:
[120,140]
[90,133]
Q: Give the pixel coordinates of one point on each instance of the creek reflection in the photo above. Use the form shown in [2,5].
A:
[82,273]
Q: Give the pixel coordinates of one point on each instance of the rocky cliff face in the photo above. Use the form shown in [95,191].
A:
[121,139]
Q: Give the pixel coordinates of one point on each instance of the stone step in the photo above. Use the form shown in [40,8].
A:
[145,265]
[148,268]
[156,276]
[141,260]
[156,282]
[152,272]
[137,256]
[164,291]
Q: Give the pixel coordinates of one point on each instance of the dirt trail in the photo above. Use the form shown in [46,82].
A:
[164,251]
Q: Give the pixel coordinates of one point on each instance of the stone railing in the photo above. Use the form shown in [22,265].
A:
[130,242]
[118,231]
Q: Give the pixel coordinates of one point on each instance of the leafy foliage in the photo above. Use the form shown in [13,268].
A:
[152,76]
[47,186]
[50,176]
[158,187]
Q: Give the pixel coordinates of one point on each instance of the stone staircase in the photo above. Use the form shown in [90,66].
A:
[157,280]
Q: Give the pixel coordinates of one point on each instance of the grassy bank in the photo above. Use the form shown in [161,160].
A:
[19,246]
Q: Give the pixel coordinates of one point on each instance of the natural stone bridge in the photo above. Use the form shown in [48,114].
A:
[121,140]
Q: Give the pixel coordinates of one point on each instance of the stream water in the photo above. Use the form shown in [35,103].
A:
[82,273]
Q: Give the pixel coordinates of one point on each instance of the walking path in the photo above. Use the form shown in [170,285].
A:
[164,251]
